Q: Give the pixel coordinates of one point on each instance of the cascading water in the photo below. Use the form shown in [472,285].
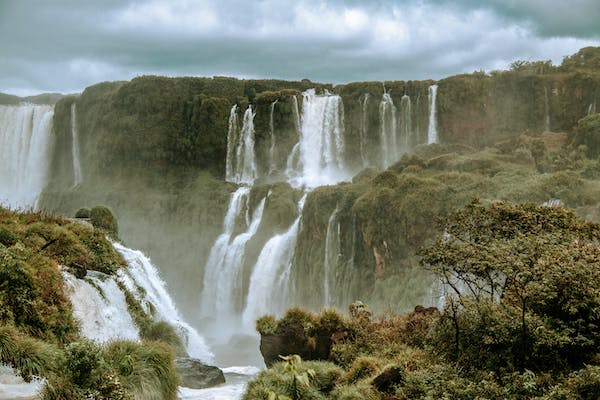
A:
[224,273]
[432,134]
[272,162]
[214,302]
[316,159]
[406,133]
[388,138]
[99,305]
[141,273]
[77,174]
[240,166]
[232,140]
[26,143]
[321,143]
[364,103]
[270,276]
[332,255]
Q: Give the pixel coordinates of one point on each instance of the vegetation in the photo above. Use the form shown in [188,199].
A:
[520,319]
[101,217]
[38,334]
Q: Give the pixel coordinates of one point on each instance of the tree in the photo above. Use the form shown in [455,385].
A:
[526,286]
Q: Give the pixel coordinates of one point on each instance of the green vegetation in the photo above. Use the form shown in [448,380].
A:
[101,217]
[38,334]
[520,320]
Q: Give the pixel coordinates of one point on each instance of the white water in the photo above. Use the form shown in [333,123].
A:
[13,387]
[321,143]
[364,102]
[236,379]
[214,301]
[406,133]
[332,253]
[141,273]
[77,174]
[99,306]
[432,134]
[269,283]
[225,272]
[240,166]
[388,133]
[272,162]
[232,140]
[26,145]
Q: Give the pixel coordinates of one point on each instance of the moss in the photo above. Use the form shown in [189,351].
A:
[103,218]
[83,213]
[266,325]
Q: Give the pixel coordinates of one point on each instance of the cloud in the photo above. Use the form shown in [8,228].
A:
[66,45]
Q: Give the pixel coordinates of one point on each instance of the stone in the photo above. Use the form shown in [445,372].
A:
[196,375]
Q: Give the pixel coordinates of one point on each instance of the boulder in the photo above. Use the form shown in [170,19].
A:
[196,375]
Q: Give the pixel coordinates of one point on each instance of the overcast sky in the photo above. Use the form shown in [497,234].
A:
[66,45]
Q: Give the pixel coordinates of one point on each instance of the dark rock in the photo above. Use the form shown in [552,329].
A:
[196,375]
[387,381]
[289,339]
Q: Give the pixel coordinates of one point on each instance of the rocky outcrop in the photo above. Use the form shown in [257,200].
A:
[196,375]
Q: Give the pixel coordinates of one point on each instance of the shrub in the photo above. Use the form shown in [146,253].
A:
[83,213]
[101,217]
[161,331]
[147,370]
[7,238]
[266,325]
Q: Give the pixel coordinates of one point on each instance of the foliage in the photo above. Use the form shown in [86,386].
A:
[101,217]
[83,213]
[524,282]
[266,325]
[294,379]
[146,370]
[587,133]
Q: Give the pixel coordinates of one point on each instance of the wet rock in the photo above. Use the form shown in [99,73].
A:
[196,375]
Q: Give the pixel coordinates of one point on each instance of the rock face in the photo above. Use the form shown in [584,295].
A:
[196,375]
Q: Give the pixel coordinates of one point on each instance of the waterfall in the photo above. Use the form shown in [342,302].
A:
[592,108]
[26,143]
[546,111]
[77,175]
[232,139]
[14,387]
[223,287]
[269,282]
[321,142]
[240,166]
[406,132]
[141,273]
[296,114]
[99,306]
[364,102]
[432,134]
[215,269]
[272,163]
[332,255]
[389,141]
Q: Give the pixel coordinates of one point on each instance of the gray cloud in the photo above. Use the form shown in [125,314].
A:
[66,45]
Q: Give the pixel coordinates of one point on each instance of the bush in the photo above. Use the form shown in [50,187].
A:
[266,325]
[7,238]
[101,217]
[83,213]
[147,370]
